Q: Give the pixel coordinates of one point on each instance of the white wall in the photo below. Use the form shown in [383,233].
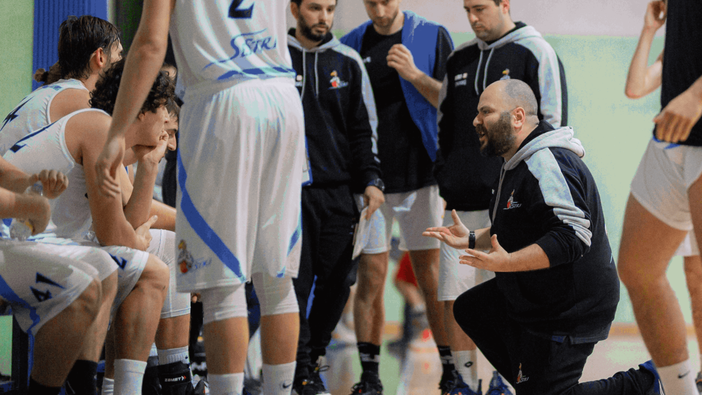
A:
[571,17]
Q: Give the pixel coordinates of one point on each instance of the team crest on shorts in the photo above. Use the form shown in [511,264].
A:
[336,82]
[186,262]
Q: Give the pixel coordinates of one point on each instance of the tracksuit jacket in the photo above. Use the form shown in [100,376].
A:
[547,196]
[337,96]
[465,177]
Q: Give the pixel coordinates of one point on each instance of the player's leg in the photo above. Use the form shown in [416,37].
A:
[135,325]
[172,336]
[693,277]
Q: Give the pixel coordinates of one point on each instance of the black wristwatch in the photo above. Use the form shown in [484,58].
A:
[471,240]
[378,183]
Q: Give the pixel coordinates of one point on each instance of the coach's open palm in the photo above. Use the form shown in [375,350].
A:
[455,235]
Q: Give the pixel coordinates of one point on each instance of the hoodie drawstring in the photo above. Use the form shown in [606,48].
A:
[316,76]
[304,73]
[477,73]
[486,68]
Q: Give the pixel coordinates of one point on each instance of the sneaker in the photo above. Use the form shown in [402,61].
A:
[369,385]
[446,386]
[657,388]
[314,385]
[461,388]
[497,386]
[698,382]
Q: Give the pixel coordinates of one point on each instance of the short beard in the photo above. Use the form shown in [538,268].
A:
[500,138]
[306,31]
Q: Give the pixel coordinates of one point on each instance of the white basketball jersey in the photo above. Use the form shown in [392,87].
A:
[46,149]
[32,113]
[228,41]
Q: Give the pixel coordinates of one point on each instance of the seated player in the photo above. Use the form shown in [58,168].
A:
[60,295]
[121,223]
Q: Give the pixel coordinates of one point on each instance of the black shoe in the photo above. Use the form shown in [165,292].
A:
[446,385]
[151,384]
[698,382]
[176,380]
[369,385]
[314,384]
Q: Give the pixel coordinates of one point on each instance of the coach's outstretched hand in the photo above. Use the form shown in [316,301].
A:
[496,260]
[455,235]
[107,164]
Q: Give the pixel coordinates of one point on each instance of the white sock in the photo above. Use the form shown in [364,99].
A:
[108,386]
[467,366]
[174,355]
[678,379]
[129,375]
[278,379]
[226,384]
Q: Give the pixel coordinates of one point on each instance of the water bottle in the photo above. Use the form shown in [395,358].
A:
[21,229]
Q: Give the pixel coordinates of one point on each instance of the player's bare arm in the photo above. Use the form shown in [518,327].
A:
[138,208]
[144,61]
[400,58]
[35,208]
[15,180]
[643,79]
[675,122]
[109,221]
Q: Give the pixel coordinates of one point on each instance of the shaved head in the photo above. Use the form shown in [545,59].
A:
[518,94]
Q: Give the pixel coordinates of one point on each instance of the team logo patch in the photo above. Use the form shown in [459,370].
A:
[298,81]
[186,262]
[521,378]
[336,82]
[461,80]
[511,204]
[505,75]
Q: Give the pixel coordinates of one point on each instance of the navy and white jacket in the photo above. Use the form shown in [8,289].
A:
[340,116]
[547,196]
[465,177]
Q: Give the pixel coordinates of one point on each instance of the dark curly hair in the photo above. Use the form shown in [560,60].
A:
[79,37]
[162,92]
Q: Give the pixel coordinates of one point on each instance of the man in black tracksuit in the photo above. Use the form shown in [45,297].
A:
[340,123]
[556,287]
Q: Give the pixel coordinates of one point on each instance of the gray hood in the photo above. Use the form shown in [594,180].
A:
[559,138]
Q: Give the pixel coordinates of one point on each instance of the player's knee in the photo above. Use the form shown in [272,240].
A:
[89,301]
[156,275]
[109,287]
[222,303]
[276,295]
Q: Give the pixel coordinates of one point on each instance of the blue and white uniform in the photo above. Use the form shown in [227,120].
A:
[40,281]
[71,218]
[241,143]
[33,112]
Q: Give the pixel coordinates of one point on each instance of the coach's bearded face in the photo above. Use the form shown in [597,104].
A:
[497,138]
[314,32]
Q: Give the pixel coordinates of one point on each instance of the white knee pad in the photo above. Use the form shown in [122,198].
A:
[276,295]
[163,246]
[222,303]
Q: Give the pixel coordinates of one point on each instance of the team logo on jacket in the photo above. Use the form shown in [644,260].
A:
[336,82]
[511,204]
[461,80]
[521,378]
[505,75]
[298,81]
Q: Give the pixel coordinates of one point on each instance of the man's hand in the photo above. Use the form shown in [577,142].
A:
[373,198]
[143,234]
[40,212]
[455,235]
[655,15]
[152,155]
[675,122]
[400,58]
[53,182]
[106,166]
[497,260]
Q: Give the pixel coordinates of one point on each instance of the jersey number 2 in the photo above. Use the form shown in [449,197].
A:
[237,13]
